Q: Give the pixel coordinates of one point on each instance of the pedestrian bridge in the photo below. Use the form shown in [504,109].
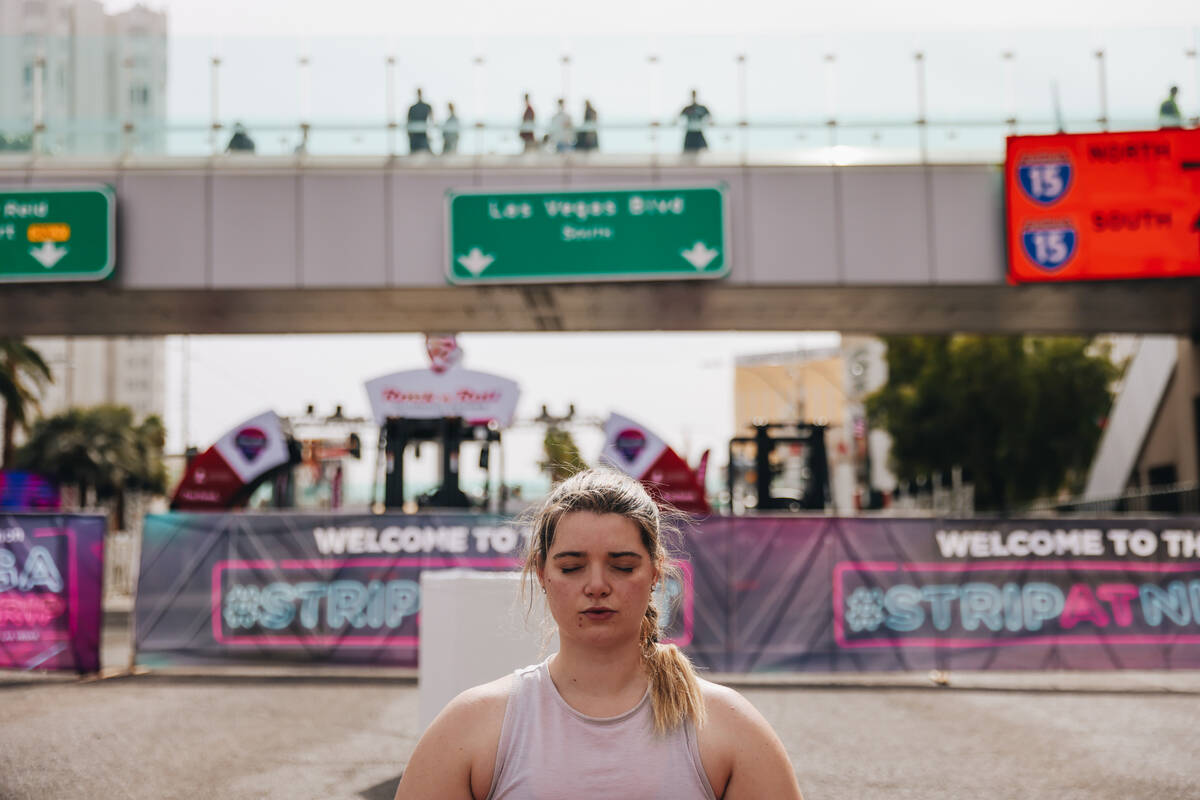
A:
[258,244]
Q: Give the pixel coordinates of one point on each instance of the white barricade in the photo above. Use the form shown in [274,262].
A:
[474,629]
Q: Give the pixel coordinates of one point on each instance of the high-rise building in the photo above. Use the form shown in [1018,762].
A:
[96,81]
[93,370]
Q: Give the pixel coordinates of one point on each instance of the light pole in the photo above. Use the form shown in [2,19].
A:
[213,107]
[39,101]
[477,87]
[389,83]
[127,102]
[1190,53]
[831,100]
[565,60]
[304,95]
[743,105]
[656,98]
[1010,91]
[922,110]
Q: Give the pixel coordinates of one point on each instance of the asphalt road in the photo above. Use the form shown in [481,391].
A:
[301,735]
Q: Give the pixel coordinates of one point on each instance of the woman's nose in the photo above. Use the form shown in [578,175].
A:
[597,583]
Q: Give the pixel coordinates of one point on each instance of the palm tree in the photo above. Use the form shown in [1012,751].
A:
[23,375]
[99,450]
[562,455]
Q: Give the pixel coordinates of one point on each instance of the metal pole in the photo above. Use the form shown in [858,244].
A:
[479,62]
[1191,54]
[743,123]
[127,99]
[1010,91]
[1103,120]
[922,127]
[304,96]
[831,100]
[656,98]
[214,107]
[389,82]
[39,101]
[566,78]
[186,390]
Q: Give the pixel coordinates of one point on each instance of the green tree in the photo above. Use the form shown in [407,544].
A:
[562,455]
[23,375]
[1022,416]
[101,450]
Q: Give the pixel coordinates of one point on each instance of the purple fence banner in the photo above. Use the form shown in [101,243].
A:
[309,588]
[313,588]
[756,594]
[806,594]
[51,573]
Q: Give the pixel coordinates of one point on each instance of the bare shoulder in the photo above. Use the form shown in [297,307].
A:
[473,711]
[457,753]
[741,753]
[727,707]
[485,699]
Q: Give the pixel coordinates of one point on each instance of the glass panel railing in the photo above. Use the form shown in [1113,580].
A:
[838,98]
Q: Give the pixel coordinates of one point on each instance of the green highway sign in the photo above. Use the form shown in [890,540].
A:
[586,235]
[57,234]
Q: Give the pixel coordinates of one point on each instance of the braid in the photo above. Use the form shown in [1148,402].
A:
[649,632]
[674,688]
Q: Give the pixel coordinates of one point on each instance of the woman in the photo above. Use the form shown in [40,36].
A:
[613,714]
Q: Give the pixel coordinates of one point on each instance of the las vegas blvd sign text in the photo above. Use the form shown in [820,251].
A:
[591,235]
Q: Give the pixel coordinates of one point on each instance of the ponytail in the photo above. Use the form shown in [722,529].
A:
[674,687]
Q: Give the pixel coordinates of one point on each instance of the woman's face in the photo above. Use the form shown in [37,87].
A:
[598,578]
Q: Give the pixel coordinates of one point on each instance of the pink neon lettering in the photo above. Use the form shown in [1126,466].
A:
[1118,595]
[31,610]
[1081,605]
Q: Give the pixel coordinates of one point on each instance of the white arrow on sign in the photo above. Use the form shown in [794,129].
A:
[699,256]
[48,254]
[475,261]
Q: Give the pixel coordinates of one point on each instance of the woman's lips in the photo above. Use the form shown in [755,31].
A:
[599,613]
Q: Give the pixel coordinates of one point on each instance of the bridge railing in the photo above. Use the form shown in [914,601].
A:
[783,141]
[843,97]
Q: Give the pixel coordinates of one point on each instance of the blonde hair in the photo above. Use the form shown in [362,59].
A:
[674,687]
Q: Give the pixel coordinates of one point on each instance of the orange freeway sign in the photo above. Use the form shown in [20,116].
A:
[1103,206]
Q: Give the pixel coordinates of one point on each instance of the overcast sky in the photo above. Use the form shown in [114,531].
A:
[507,17]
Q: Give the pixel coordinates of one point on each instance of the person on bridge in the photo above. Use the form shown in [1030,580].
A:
[240,141]
[561,133]
[1169,115]
[614,713]
[695,116]
[450,131]
[587,138]
[420,114]
[528,132]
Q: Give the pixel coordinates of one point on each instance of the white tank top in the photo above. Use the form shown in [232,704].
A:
[549,751]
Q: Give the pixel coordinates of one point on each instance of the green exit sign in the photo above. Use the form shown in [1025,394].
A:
[589,235]
[58,234]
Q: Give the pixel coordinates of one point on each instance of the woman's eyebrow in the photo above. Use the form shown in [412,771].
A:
[581,554]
